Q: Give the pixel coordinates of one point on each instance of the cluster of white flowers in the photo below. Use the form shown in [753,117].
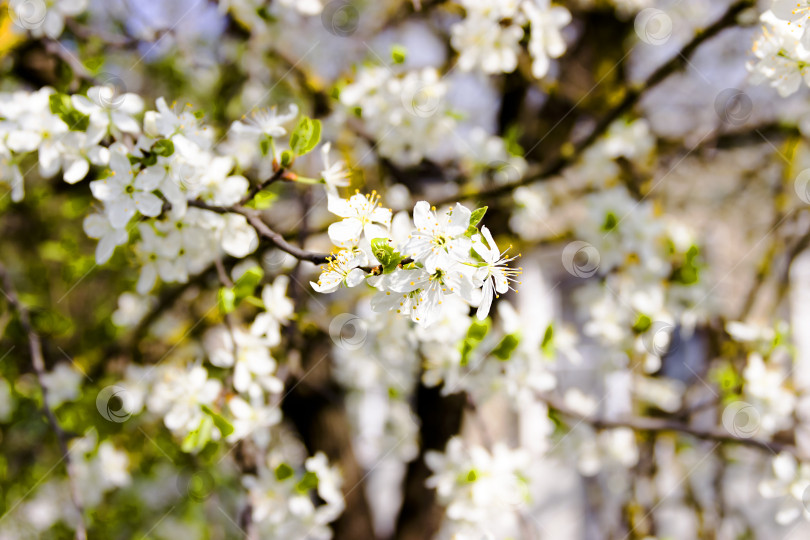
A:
[412,105]
[98,468]
[782,51]
[44,17]
[489,36]
[442,254]
[484,492]
[281,499]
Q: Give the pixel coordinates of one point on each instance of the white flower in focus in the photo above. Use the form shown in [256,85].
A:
[360,216]
[797,13]
[495,274]
[439,240]
[125,193]
[781,59]
[341,268]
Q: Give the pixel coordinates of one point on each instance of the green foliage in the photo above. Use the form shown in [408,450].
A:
[305,136]
[163,147]
[475,335]
[307,483]
[229,298]
[398,54]
[547,345]
[62,107]
[504,349]
[389,259]
[642,324]
[221,423]
[475,218]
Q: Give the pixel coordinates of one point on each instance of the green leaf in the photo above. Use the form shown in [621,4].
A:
[642,324]
[398,54]
[262,200]
[478,329]
[287,159]
[198,438]
[163,147]
[477,216]
[222,424]
[284,471]
[548,340]
[475,334]
[226,300]
[62,107]
[247,283]
[307,483]
[305,136]
[389,259]
[504,349]
[265,144]
[611,221]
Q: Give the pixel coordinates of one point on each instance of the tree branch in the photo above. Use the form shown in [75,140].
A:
[631,98]
[38,362]
[656,425]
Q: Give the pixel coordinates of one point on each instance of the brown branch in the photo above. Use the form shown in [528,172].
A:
[38,362]
[631,98]
[658,425]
